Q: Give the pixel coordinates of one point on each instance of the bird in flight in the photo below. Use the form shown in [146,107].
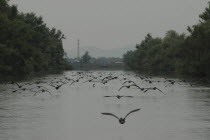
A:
[129,81]
[42,90]
[119,96]
[128,86]
[121,120]
[154,88]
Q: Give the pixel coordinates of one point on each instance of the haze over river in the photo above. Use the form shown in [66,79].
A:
[74,112]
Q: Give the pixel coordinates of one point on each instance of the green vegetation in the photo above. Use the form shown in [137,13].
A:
[189,55]
[27,45]
[86,58]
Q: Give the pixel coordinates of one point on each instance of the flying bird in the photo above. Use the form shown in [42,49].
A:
[129,81]
[128,86]
[119,96]
[121,120]
[42,90]
[153,88]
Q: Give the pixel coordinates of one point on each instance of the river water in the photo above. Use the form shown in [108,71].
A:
[74,112]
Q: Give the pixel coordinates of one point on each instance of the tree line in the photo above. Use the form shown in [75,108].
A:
[87,62]
[27,44]
[179,53]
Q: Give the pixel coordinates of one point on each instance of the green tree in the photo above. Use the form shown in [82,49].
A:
[86,58]
[27,44]
[175,52]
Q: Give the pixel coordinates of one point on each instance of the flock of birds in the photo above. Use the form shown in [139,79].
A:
[50,85]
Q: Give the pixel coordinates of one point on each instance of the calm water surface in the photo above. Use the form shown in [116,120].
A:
[74,112]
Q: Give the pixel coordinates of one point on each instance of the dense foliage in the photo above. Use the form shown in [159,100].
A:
[27,44]
[175,52]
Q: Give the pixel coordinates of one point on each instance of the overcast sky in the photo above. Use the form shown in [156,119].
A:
[114,23]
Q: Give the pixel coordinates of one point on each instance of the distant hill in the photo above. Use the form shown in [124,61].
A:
[99,52]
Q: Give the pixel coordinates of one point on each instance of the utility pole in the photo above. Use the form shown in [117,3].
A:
[78,49]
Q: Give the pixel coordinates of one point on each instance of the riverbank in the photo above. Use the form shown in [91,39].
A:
[26,77]
[98,67]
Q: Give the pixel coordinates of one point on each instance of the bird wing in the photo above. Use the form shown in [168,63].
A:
[52,85]
[36,93]
[135,85]
[72,83]
[168,84]
[133,82]
[124,82]
[60,85]
[108,96]
[111,115]
[147,89]
[160,90]
[121,87]
[132,112]
[129,96]
[105,78]
[39,87]
[79,78]
[48,92]
[105,81]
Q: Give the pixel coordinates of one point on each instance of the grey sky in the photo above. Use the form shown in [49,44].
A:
[114,23]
